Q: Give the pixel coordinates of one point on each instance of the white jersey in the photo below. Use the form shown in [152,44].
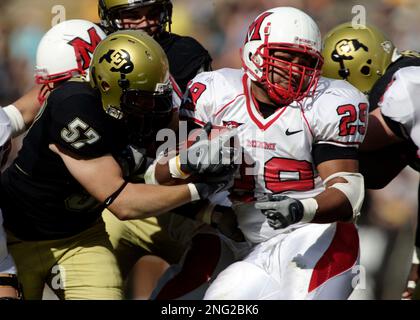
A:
[176,94]
[5,131]
[401,102]
[278,149]
[6,263]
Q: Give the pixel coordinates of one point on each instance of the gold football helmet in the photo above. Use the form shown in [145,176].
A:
[358,55]
[110,12]
[131,72]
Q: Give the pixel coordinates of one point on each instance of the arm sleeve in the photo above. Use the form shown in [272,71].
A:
[325,152]
[78,125]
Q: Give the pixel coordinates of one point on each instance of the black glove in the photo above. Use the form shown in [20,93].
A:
[209,156]
[132,160]
[215,183]
[281,211]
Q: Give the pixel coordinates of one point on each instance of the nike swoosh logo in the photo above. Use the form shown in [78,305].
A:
[289,133]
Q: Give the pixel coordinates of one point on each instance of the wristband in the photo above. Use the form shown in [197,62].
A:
[411,284]
[149,176]
[175,169]
[16,120]
[310,206]
[416,255]
[193,192]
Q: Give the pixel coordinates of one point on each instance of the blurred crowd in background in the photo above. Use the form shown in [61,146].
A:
[389,218]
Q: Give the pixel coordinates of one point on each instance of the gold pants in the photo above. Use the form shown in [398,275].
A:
[79,267]
[166,236]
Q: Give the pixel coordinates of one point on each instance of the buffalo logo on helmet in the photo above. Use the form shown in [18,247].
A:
[84,49]
[119,59]
[344,50]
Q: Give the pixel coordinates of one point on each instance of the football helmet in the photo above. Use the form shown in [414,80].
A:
[288,30]
[131,72]
[65,51]
[359,55]
[110,12]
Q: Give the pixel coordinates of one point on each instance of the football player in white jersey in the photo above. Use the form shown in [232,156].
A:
[368,59]
[298,189]
[14,119]
[9,287]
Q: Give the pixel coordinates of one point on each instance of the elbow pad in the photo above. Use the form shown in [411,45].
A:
[354,189]
[149,176]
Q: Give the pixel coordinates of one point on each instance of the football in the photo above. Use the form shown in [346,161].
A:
[206,133]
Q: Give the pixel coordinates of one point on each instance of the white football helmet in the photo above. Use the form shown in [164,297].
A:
[288,30]
[65,51]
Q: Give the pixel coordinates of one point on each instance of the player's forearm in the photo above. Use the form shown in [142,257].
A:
[333,206]
[344,191]
[159,173]
[142,201]
[162,174]
[28,105]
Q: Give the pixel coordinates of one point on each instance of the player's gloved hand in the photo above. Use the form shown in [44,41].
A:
[208,156]
[281,211]
[131,160]
[214,184]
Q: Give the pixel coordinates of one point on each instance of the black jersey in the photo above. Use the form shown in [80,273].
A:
[39,197]
[186,57]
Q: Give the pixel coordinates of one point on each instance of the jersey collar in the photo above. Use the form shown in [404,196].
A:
[252,107]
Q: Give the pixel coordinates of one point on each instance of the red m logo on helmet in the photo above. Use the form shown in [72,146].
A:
[254,28]
[83,49]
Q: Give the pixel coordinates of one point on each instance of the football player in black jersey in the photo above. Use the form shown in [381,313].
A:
[66,173]
[368,59]
[186,56]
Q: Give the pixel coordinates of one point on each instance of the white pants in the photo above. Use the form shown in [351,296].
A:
[315,261]
[209,253]
[7,265]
